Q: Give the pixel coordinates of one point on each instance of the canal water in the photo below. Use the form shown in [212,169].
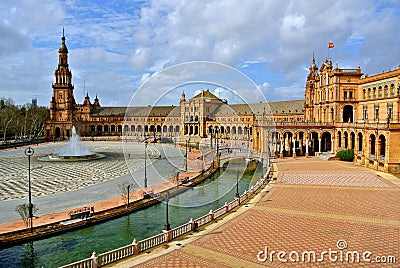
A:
[76,245]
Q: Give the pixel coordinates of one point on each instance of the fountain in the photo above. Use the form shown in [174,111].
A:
[74,151]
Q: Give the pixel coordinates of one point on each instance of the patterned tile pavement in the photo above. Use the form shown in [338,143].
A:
[355,213]
[179,259]
[376,203]
[335,179]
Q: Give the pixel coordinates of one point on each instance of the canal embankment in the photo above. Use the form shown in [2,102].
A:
[62,221]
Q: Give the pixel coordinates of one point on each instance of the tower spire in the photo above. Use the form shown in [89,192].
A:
[313,65]
[183,97]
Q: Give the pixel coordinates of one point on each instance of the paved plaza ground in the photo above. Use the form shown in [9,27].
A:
[60,186]
[337,210]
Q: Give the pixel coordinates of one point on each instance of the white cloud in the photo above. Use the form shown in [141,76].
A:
[120,43]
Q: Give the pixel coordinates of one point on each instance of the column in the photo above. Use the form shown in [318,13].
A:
[294,146]
[307,147]
[264,142]
[332,146]
[319,146]
[377,145]
[281,149]
[301,144]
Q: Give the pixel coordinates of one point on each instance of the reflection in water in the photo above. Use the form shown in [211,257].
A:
[76,245]
[29,258]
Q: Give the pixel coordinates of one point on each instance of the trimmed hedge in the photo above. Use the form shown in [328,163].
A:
[346,155]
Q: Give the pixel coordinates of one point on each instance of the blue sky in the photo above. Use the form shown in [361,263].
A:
[114,46]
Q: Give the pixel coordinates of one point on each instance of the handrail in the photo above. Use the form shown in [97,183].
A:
[203,220]
[181,230]
[151,242]
[219,212]
[115,255]
[85,263]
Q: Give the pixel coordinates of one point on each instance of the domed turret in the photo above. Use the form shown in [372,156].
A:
[63,46]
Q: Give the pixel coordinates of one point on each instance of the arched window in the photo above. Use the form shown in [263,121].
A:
[392,90]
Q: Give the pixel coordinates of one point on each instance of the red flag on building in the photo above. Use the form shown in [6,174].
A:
[331,45]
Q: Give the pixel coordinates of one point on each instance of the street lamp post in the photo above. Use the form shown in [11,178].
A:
[216,140]
[248,138]
[268,150]
[29,152]
[145,159]
[186,155]
[129,186]
[211,142]
[167,225]
[237,184]
[262,168]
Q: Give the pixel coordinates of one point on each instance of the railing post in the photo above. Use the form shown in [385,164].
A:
[167,235]
[211,213]
[238,200]
[192,224]
[94,259]
[135,247]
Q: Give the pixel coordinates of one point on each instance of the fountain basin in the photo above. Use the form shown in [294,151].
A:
[71,158]
[74,151]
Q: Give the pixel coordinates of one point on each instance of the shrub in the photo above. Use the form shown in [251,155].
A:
[346,155]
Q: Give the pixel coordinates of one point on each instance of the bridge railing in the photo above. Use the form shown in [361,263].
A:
[137,247]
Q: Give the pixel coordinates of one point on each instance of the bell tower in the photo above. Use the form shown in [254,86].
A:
[62,103]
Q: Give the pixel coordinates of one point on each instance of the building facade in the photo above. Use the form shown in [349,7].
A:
[342,109]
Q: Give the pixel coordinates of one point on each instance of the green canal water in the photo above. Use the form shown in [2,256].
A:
[76,245]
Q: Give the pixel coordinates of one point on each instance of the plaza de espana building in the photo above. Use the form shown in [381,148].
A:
[342,109]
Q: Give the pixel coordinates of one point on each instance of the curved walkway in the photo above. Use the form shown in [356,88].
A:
[345,214]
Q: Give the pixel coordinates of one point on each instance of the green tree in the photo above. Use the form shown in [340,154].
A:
[8,113]
[25,121]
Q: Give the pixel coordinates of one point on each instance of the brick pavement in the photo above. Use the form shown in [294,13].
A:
[314,206]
